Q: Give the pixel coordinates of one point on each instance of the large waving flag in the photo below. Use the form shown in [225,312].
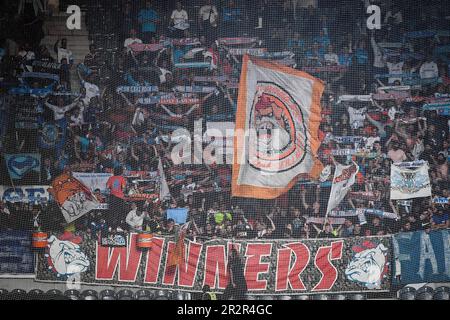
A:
[276,132]
[73,197]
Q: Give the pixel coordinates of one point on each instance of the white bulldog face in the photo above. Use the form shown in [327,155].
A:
[367,267]
[66,257]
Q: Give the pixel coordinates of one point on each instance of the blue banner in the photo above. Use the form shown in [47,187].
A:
[422,257]
[187,65]
[16,255]
[20,165]
[179,215]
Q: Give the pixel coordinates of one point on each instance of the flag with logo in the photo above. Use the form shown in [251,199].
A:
[73,197]
[344,178]
[23,165]
[276,131]
[409,183]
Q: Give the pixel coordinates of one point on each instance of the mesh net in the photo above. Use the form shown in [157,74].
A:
[119,123]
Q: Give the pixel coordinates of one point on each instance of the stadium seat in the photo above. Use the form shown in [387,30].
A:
[320,297]
[35,294]
[144,295]
[425,293]
[3,294]
[108,295]
[125,294]
[89,295]
[338,297]
[407,293]
[162,295]
[441,293]
[17,294]
[54,294]
[357,296]
[72,294]
[302,297]
[178,296]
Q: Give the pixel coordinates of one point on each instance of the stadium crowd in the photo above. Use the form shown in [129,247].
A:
[191,54]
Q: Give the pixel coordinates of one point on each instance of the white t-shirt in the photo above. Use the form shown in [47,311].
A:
[357,117]
[370,141]
[179,17]
[138,118]
[64,53]
[28,55]
[130,41]
[429,70]
[209,12]
[133,220]
[91,91]
[188,190]
[331,58]
[395,68]
[163,76]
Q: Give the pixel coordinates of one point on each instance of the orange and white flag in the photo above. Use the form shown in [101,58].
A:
[276,132]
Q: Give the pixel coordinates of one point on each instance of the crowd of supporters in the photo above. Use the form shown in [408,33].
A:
[105,129]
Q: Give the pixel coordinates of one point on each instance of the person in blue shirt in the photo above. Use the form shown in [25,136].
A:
[322,39]
[440,219]
[296,44]
[345,57]
[148,18]
[315,55]
[362,56]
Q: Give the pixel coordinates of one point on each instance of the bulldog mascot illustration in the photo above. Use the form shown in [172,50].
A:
[369,266]
[64,255]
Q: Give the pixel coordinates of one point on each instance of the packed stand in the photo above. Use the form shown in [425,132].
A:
[379,108]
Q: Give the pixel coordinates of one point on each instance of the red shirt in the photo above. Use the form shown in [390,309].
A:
[116,184]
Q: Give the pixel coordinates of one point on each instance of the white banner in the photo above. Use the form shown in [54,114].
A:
[344,178]
[410,183]
[251,51]
[93,181]
[361,98]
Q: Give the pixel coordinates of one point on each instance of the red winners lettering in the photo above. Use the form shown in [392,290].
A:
[216,265]
[188,269]
[215,261]
[126,258]
[254,266]
[154,260]
[287,276]
[323,259]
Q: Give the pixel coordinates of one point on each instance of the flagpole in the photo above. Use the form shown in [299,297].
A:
[326,213]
